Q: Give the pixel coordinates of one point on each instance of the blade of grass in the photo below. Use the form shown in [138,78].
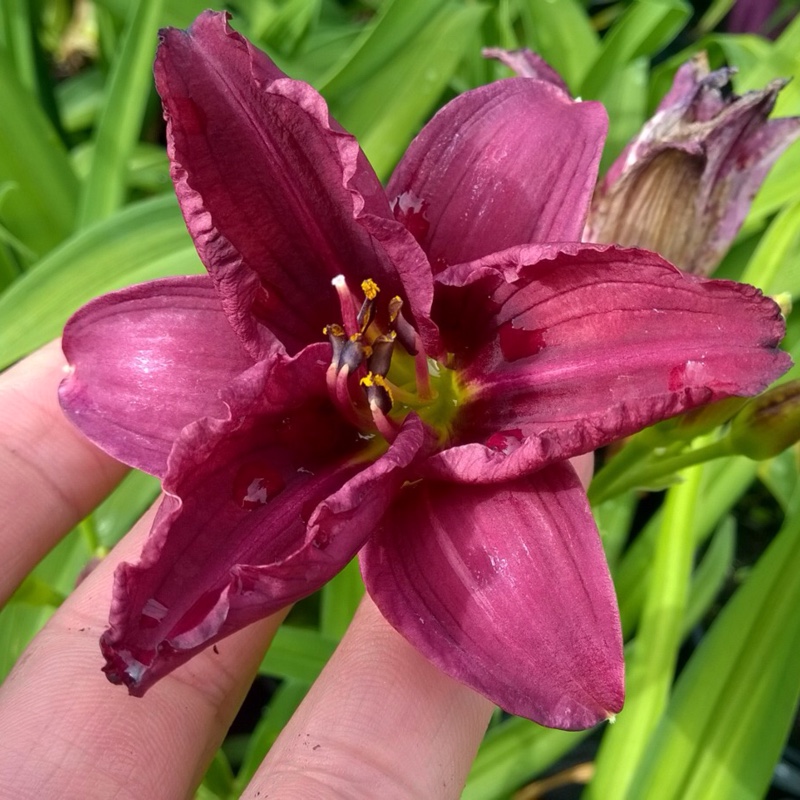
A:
[725,483]
[652,664]
[144,241]
[775,266]
[41,208]
[339,600]
[297,653]
[642,30]
[511,753]
[735,701]
[386,109]
[562,34]
[121,117]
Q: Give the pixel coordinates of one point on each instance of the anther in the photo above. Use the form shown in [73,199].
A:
[378,392]
[337,338]
[381,358]
[353,353]
[406,334]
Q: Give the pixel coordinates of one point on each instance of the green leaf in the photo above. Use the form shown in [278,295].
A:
[283,27]
[384,97]
[36,592]
[652,664]
[614,518]
[20,622]
[735,701]
[710,575]
[780,188]
[646,27]
[80,98]
[775,265]
[561,32]
[297,653]
[121,118]
[780,475]
[512,752]
[218,780]
[115,516]
[625,99]
[282,705]
[339,600]
[725,482]
[41,207]
[146,240]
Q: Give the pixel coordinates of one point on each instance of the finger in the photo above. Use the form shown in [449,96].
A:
[66,732]
[380,721]
[50,476]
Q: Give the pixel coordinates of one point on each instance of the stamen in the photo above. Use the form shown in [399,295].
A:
[381,358]
[336,336]
[385,426]
[347,304]
[344,401]
[353,353]
[410,339]
[378,392]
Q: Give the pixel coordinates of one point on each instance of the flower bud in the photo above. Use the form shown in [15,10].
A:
[769,423]
[684,184]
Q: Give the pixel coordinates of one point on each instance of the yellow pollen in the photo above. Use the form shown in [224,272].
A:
[370,289]
[371,379]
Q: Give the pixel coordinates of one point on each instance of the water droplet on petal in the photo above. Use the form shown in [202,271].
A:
[256,484]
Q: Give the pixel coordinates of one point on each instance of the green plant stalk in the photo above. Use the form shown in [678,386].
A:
[652,663]
[661,470]
[638,448]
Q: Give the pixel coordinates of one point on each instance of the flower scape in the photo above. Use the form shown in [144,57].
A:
[401,373]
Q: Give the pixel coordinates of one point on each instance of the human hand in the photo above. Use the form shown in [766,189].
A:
[380,721]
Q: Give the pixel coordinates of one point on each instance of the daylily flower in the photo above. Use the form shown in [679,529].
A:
[400,373]
[684,184]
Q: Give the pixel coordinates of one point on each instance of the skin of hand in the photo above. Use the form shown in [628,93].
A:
[380,721]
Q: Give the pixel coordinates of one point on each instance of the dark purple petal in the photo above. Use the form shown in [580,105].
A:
[593,343]
[261,509]
[506,589]
[684,184]
[278,198]
[146,361]
[511,163]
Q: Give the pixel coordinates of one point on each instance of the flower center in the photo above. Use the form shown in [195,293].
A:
[380,371]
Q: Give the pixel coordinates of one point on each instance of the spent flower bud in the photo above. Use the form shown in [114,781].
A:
[684,184]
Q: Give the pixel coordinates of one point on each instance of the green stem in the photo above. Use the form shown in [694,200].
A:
[636,450]
[659,470]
